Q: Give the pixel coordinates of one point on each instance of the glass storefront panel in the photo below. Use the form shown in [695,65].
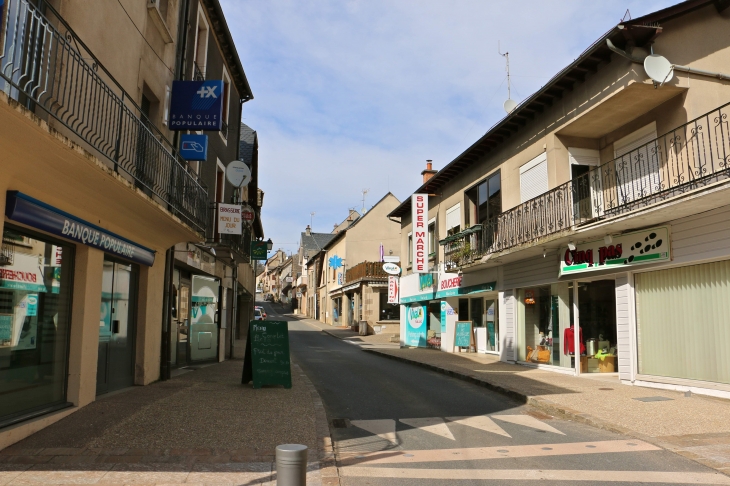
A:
[203,331]
[492,325]
[35,300]
[388,312]
[544,322]
[597,316]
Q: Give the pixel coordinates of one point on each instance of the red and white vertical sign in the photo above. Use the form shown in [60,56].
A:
[419,212]
[393,289]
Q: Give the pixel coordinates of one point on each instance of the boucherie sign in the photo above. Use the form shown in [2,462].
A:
[629,249]
[419,212]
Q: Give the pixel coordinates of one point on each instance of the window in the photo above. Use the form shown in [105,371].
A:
[637,167]
[35,299]
[484,200]
[388,312]
[226,103]
[220,182]
[453,220]
[432,241]
[410,249]
[534,178]
[200,56]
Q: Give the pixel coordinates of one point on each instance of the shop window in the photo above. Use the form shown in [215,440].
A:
[544,325]
[388,312]
[35,300]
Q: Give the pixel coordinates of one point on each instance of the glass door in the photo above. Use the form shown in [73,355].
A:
[117,329]
[183,322]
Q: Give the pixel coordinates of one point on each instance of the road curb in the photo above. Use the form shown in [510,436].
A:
[548,407]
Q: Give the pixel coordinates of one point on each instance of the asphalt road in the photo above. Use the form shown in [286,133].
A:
[398,424]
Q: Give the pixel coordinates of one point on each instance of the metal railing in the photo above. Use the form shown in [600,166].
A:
[685,159]
[198,74]
[48,69]
[224,129]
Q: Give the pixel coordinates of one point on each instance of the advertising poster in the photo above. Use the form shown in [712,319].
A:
[416,328]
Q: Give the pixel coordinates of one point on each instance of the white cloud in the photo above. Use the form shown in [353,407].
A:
[351,95]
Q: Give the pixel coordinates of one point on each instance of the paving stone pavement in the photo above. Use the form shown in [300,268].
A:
[201,427]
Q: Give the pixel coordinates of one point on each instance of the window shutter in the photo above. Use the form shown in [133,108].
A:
[453,216]
[534,178]
[581,156]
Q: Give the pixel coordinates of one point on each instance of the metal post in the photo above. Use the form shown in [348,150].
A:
[291,465]
[234,312]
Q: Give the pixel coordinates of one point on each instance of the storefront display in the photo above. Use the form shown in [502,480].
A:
[544,316]
[35,297]
[597,316]
[204,318]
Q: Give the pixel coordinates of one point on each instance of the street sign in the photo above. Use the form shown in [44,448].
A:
[266,360]
[238,173]
[258,250]
[194,147]
[229,219]
[196,105]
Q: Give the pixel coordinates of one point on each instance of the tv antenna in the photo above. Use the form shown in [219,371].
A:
[364,192]
[510,104]
[311,219]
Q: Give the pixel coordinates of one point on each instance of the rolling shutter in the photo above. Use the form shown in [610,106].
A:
[534,178]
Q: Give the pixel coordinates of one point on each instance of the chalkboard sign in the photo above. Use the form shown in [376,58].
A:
[266,361]
[462,337]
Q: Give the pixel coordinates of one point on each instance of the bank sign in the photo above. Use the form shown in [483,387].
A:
[27,210]
[196,105]
[627,250]
[259,250]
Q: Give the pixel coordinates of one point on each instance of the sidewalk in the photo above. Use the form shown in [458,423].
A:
[696,427]
[202,426]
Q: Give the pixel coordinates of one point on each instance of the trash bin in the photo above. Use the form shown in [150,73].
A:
[363,328]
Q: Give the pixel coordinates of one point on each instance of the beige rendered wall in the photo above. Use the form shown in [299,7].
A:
[149,322]
[374,228]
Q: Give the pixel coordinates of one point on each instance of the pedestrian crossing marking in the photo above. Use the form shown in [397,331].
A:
[434,425]
[385,428]
[527,421]
[481,422]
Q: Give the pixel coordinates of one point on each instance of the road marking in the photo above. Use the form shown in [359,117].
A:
[384,429]
[527,421]
[500,452]
[435,425]
[597,477]
[481,422]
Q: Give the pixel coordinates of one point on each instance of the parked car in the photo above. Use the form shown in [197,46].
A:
[263,312]
[258,315]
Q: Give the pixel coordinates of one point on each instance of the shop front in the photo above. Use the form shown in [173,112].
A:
[417,296]
[469,297]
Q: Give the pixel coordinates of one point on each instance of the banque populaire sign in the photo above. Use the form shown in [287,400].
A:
[630,249]
[196,105]
[27,210]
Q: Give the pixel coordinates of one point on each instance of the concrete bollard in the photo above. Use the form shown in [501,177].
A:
[291,465]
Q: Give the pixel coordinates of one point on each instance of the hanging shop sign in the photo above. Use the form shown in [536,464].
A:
[196,105]
[247,213]
[450,285]
[416,328]
[630,249]
[194,147]
[229,219]
[259,250]
[419,236]
[32,212]
[392,289]
[391,268]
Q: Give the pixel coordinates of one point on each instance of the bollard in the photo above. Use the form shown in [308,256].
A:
[291,465]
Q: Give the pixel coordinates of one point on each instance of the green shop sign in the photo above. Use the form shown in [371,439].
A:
[258,250]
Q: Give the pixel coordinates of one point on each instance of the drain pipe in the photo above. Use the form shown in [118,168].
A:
[676,67]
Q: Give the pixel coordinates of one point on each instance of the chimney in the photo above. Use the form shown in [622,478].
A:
[308,231]
[334,227]
[429,172]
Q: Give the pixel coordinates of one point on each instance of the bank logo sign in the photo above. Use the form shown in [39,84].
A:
[630,249]
[196,105]
[258,250]
[194,147]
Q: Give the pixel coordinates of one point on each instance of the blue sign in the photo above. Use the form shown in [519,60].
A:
[27,210]
[194,147]
[416,326]
[196,105]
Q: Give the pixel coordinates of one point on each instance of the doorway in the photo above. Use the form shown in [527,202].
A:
[183,322]
[117,326]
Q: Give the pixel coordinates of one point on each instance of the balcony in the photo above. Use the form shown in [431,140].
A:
[198,73]
[365,271]
[45,67]
[688,159]
[301,281]
[235,247]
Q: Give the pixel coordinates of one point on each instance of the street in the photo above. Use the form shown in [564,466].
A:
[394,423]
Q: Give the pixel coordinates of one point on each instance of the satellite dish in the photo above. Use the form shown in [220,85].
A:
[658,68]
[238,173]
[510,105]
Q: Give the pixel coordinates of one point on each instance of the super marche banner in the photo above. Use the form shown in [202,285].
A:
[419,218]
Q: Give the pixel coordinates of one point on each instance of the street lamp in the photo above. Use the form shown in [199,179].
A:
[269,244]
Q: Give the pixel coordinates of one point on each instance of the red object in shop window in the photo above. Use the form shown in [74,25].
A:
[569,341]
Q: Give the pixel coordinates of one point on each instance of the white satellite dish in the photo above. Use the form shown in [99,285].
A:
[238,173]
[510,105]
[658,68]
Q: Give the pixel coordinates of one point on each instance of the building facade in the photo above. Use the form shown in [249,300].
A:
[587,231]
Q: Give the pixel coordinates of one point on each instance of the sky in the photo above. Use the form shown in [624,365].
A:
[354,95]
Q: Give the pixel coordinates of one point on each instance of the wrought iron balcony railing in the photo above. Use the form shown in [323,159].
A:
[198,74]
[224,129]
[238,246]
[47,68]
[685,159]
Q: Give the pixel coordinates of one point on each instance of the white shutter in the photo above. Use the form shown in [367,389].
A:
[534,178]
[637,171]
[453,216]
[588,204]
[581,156]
